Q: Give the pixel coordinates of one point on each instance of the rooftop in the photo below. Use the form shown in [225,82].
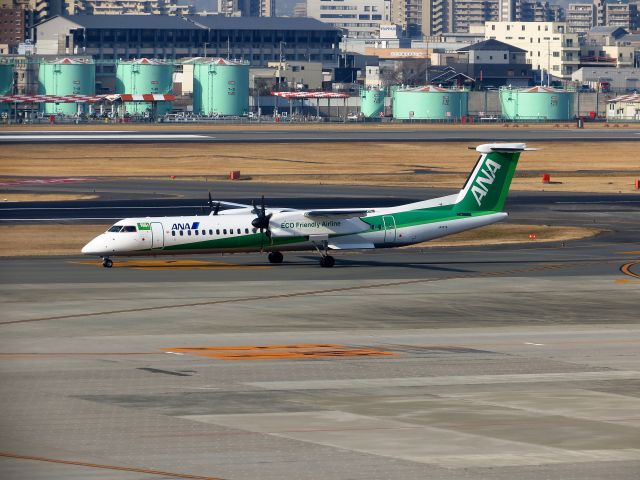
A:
[194,22]
[490,44]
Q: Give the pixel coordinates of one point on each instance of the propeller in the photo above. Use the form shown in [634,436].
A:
[213,209]
[261,222]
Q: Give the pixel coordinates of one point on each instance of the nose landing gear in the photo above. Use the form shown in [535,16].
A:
[107,262]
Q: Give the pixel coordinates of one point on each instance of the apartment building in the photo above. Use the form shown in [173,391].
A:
[549,45]
[127,7]
[617,13]
[359,18]
[580,17]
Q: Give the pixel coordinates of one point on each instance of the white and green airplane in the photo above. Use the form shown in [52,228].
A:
[251,228]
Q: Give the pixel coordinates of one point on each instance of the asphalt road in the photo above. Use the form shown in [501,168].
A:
[372,133]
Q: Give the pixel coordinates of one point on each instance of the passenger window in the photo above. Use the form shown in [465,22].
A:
[204,232]
[115,229]
[254,230]
[239,231]
[217,231]
[246,230]
[189,232]
[181,233]
[224,231]
[173,233]
[210,232]
[196,232]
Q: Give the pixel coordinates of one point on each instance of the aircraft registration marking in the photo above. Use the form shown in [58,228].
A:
[279,352]
[175,265]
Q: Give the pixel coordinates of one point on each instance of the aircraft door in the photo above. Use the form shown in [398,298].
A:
[389,229]
[157,235]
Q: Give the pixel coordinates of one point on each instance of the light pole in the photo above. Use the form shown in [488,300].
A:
[205,49]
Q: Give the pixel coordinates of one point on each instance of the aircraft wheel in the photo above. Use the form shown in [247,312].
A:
[107,263]
[327,261]
[275,257]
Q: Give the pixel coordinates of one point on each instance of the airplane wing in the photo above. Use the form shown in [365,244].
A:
[339,213]
[232,204]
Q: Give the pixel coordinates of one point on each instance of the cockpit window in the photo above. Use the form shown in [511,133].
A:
[115,228]
[129,228]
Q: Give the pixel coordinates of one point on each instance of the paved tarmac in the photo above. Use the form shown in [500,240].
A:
[372,133]
[485,362]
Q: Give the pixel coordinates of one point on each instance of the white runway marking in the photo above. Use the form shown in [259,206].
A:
[536,344]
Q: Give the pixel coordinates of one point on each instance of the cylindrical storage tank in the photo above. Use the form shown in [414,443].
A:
[6,83]
[372,102]
[67,77]
[536,103]
[220,87]
[429,103]
[145,76]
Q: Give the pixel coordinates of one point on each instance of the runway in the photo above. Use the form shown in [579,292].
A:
[494,362]
[372,133]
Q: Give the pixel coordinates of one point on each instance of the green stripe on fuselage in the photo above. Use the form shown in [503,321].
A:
[423,216]
[253,240]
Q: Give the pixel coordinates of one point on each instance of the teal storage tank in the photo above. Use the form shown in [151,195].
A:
[145,76]
[6,83]
[372,102]
[220,87]
[536,103]
[67,77]
[429,103]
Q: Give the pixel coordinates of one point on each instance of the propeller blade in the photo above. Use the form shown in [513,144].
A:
[217,209]
[263,207]
[210,201]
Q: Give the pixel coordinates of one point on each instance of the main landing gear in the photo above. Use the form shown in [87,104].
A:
[107,262]
[326,260]
[275,257]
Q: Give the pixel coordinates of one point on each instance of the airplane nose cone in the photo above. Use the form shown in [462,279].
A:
[94,247]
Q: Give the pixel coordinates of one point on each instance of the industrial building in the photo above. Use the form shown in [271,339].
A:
[257,40]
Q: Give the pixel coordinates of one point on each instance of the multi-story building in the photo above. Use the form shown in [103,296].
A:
[540,12]
[359,18]
[13,23]
[300,9]
[247,8]
[421,18]
[529,11]
[617,13]
[580,17]
[465,13]
[430,18]
[258,40]
[127,7]
[549,46]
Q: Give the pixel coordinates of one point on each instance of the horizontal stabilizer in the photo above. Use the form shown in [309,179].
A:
[502,147]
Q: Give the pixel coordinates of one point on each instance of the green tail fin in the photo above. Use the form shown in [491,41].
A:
[488,185]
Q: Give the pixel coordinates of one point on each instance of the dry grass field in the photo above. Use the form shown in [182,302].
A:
[574,166]
[33,240]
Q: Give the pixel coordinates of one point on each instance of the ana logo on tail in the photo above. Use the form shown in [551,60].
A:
[481,183]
